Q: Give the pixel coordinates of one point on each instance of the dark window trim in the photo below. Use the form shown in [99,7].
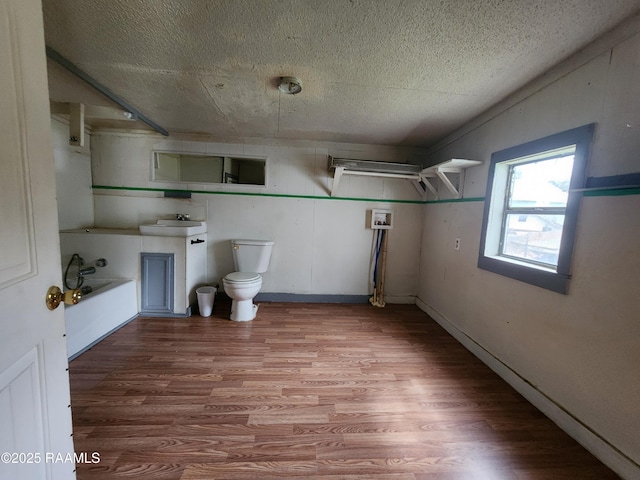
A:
[555,281]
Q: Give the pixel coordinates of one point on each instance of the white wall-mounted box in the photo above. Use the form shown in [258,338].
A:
[381,219]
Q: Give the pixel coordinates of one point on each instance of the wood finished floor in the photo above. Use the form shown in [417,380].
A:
[307,391]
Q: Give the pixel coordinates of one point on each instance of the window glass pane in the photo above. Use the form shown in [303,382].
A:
[541,184]
[533,238]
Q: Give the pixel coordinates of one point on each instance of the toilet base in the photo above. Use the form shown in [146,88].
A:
[243,310]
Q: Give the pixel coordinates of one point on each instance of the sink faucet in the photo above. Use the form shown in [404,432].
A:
[182,216]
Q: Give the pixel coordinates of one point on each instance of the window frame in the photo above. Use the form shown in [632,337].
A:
[544,276]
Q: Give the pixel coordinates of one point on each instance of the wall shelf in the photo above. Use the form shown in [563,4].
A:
[407,171]
[370,168]
[442,170]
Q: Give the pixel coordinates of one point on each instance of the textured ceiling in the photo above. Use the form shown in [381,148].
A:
[373,71]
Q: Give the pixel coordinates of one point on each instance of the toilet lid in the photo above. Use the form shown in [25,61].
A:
[242,277]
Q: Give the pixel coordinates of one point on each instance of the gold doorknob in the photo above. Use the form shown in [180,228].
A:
[55,296]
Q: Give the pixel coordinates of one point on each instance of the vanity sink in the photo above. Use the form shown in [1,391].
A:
[174,228]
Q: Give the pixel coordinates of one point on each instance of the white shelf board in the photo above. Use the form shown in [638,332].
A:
[343,166]
[441,171]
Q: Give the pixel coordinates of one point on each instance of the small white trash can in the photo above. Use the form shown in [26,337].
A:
[206,297]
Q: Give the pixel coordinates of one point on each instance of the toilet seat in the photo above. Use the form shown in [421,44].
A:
[242,278]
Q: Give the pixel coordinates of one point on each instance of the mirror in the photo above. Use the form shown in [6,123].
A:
[205,168]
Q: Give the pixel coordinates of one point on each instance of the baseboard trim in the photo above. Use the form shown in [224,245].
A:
[310,298]
[165,315]
[585,436]
[400,299]
[328,298]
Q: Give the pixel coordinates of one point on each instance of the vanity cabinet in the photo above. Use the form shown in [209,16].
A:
[189,268]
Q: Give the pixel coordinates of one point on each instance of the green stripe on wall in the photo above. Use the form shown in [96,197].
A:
[611,192]
[605,192]
[250,194]
[456,200]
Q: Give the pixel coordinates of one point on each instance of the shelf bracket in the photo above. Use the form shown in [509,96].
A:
[337,175]
[422,190]
[430,187]
[440,171]
[442,175]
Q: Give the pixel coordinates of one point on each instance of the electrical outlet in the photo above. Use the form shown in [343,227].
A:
[456,244]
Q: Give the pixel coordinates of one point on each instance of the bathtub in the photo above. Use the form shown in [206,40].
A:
[111,304]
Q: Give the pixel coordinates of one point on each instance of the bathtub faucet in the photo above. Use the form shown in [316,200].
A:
[82,269]
[182,216]
[91,267]
[86,271]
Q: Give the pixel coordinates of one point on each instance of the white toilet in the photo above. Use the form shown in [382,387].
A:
[251,258]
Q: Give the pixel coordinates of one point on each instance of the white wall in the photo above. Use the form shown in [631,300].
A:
[580,350]
[322,245]
[73,179]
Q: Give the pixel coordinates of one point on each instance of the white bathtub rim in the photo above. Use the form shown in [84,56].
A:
[101,285]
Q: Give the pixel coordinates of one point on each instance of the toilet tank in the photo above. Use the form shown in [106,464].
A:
[251,255]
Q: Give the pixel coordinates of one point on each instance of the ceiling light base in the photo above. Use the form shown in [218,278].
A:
[289,85]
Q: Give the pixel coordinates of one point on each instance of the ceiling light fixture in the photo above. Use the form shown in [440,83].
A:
[289,85]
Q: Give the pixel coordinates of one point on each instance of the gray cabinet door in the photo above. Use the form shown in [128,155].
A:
[157,282]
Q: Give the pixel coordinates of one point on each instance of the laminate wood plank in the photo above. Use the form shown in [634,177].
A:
[216,445]
[154,375]
[376,466]
[267,470]
[289,419]
[443,438]
[280,450]
[390,476]
[590,472]
[156,471]
[93,399]
[157,455]
[313,391]
[466,474]
[207,418]
[384,423]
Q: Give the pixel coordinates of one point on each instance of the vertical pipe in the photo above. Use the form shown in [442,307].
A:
[383,268]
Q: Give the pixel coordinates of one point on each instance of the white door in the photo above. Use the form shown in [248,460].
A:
[35,417]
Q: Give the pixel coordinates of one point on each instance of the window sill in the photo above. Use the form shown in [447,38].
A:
[522,263]
[525,272]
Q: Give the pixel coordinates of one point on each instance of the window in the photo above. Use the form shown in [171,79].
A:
[531,208]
